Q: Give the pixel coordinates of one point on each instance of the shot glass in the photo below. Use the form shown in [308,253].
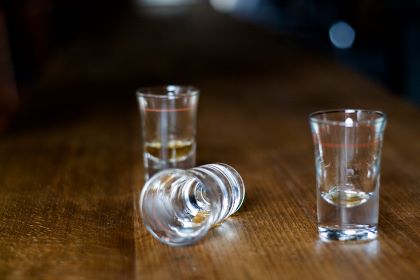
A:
[348,146]
[168,123]
[178,207]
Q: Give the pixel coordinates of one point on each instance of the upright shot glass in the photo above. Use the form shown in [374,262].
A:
[168,118]
[348,146]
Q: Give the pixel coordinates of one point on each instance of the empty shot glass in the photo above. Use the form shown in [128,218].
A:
[178,207]
[168,118]
[348,146]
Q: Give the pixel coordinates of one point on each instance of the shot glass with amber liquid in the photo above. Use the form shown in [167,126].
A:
[168,122]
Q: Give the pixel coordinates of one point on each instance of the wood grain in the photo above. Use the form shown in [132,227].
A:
[66,204]
[71,175]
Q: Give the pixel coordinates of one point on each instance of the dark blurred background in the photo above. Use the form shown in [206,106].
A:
[59,51]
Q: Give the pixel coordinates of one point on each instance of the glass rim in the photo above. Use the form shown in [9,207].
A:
[380,116]
[163,91]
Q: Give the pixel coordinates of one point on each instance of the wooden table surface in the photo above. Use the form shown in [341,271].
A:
[68,189]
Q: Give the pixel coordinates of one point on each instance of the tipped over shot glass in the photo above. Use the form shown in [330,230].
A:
[348,146]
[178,207]
[168,124]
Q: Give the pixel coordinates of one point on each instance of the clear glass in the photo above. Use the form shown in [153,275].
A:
[348,146]
[178,206]
[168,118]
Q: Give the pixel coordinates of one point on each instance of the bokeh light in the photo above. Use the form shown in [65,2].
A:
[342,35]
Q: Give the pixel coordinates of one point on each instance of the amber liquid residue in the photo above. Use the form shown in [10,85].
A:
[175,150]
[346,198]
[200,217]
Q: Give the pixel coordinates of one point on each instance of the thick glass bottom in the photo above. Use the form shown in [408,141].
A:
[348,232]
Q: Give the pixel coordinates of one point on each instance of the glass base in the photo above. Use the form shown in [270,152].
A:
[348,233]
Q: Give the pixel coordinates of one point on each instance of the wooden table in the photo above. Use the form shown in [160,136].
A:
[69,187]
